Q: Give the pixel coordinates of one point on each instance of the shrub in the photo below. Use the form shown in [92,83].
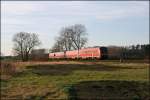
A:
[7,68]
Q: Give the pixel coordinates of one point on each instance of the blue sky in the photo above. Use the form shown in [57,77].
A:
[108,23]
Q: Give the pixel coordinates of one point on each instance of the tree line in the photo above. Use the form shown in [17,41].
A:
[129,52]
[73,37]
[136,51]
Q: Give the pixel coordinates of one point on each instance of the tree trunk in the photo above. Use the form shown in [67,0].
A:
[27,56]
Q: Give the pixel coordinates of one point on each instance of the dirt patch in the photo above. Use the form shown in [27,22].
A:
[66,69]
[109,90]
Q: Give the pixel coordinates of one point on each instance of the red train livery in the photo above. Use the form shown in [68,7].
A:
[94,53]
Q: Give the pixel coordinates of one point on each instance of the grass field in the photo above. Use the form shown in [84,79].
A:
[77,80]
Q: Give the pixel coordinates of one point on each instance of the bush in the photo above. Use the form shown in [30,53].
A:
[7,68]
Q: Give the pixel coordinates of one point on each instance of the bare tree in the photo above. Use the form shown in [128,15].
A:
[65,36]
[71,38]
[58,45]
[24,42]
[78,36]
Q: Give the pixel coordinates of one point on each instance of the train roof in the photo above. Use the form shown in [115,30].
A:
[81,49]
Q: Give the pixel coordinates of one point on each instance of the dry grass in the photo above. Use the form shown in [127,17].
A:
[71,79]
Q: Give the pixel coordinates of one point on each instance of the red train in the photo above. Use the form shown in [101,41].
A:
[87,53]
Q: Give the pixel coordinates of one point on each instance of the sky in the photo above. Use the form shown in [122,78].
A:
[119,23]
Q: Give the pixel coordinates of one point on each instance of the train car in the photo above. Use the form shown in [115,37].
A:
[90,53]
[93,53]
[57,55]
[86,53]
[71,54]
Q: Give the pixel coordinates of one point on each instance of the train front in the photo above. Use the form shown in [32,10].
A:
[103,53]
